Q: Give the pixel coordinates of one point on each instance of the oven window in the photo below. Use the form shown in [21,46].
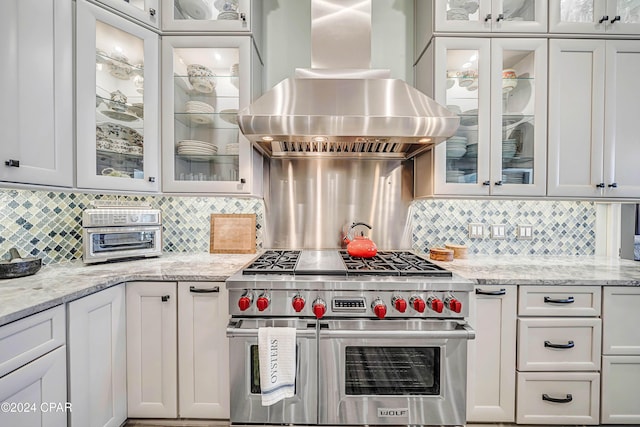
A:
[110,242]
[392,371]
[255,371]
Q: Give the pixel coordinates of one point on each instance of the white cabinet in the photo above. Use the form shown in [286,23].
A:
[145,11]
[594,16]
[33,374]
[206,79]
[36,82]
[117,101]
[185,323]
[498,88]
[491,375]
[527,16]
[621,355]
[593,110]
[97,359]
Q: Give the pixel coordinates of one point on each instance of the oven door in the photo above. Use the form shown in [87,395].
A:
[246,401]
[104,244]
[392,372]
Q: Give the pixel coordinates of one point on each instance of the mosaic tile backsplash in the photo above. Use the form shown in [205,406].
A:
[48,224]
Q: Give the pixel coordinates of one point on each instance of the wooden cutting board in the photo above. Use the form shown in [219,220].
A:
[233,234]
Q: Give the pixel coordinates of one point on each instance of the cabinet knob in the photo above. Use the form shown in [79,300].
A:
[243,181]
[152,12]
[243,17]
[500,17]
[601,185]
[487,18]
[152,179]
[486,183]
[165,298]
[615,18]
[498,183]
[604,18]
[12,163]
[613,185]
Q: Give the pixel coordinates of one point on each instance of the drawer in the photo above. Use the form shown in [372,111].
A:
[581,301]
[27,339]
[559,344]
[558,398]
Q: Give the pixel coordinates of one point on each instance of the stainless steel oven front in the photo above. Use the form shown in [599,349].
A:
[409,372]
[246,400]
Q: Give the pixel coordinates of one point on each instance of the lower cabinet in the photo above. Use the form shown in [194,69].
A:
[97,359]
[491,375]
[177,352]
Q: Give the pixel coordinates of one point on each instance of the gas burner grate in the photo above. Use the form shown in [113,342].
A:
[274,262]
[393,263]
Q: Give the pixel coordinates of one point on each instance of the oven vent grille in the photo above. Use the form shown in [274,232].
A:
[363,146]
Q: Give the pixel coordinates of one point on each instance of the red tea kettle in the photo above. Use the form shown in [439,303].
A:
[360,246]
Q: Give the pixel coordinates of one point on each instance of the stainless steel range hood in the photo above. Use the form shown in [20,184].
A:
[340,106]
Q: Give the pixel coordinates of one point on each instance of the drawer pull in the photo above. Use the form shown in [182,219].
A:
[550,300]
[204,291]
[500,292]
[567,399]
[569,344]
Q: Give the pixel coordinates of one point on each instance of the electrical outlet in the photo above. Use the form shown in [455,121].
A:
[498,231]
[476,231]
[524,232]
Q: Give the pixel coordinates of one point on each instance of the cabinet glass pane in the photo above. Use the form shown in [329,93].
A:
[119,103]
[138,4]
[206,101]
[462,99]
[463,10]
[206,10]
[518,103]
[628,10]
[519,10]
[576,10]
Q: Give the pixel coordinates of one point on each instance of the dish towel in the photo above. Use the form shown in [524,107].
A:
[277,356]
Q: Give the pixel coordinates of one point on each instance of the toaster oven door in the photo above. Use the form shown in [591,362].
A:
[108,243]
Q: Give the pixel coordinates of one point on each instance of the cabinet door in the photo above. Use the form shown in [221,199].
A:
[146,11]
[620,390]
[619,313]
[624,16]
[152,389]
[218,15]
[525,16]
[622,109]
[491,15]
[117,102]
[577,16]
[32,389]
[491,362]
[36,106]
[518,117]
[576,117]
[203,350]
[97,359]
[462,70]
[205,81]
[457,15]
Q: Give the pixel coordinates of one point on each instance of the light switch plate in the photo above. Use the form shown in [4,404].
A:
[498,231]
[524,232]
[476,231]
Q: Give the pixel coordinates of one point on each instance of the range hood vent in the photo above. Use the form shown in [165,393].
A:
[340,106]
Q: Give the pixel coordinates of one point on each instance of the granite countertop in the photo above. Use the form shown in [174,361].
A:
[60,283]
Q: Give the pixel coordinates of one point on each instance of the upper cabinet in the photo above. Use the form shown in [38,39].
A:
[595,16]
[593,115]
[212,15]
[36,82]
[498,88]
[145,11]
[206,79]
[117,102]
[528,16]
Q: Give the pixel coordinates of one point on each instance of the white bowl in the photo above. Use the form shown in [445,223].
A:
[197,9]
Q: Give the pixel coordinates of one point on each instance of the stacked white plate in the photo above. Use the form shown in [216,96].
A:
[200,112]
[190,147]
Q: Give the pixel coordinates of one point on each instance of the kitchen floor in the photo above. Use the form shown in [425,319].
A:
[201,423]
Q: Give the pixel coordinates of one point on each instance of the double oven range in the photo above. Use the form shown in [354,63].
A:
[379,341]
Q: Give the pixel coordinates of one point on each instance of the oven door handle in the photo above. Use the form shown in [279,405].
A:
[461,332]
[233,331]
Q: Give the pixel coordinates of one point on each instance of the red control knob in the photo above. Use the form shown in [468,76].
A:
[380,310]
[436,305]
[244,303]
[454,305]
[319,308]
[400,304]
[262,303]
[418,304]
[298,303]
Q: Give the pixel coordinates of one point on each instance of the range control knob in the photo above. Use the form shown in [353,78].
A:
[435,304]
[319,308]
[399,303]
[245,301]
[454,305]
[418,304]
[297,303]
[379,308]
[262,302]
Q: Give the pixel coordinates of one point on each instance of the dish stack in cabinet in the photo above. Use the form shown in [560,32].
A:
[558,355]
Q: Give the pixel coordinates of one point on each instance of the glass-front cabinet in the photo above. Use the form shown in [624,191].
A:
[146,11]
[211,15]
[206,80]
[117,102]
[595,16]
[498,88]
[528,16]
